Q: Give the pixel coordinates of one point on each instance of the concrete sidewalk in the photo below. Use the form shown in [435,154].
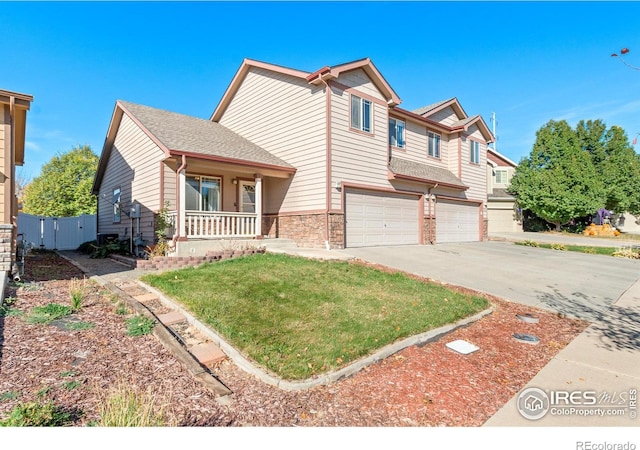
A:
[602,362]
[566,238]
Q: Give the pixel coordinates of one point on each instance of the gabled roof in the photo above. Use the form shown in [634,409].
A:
[429,110]
[20,104]
[323,74]
[498,158]
[179,134]
[413,171]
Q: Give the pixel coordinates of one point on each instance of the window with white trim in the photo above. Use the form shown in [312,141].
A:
[434,144]
[361,112]
[117,214]
[474,150]
[501,176]
[396,133]
[202,193]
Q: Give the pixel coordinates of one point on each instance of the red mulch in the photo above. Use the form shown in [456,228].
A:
[429,385]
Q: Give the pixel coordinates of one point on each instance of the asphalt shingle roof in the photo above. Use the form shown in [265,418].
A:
[500,194]
[194,135]
[424,109]
[424,171]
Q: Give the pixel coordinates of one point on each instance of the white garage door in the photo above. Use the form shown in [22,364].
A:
[501,220]
[381,218]
[456,222]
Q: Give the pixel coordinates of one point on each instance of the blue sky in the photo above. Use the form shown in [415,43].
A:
[528,62]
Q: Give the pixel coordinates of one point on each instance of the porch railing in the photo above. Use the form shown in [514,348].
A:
[217,224]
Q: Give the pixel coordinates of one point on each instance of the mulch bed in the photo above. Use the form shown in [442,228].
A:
[429,385]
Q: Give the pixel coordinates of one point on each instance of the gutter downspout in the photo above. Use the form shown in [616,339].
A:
[328,162]
[176,232]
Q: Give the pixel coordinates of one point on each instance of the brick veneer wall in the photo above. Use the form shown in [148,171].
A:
[485,229]
[6,247]
[429,234]
[307,230]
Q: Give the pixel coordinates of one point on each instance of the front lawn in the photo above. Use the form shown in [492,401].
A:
[299,317]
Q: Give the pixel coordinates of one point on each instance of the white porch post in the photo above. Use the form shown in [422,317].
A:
[182,180]
[258,201]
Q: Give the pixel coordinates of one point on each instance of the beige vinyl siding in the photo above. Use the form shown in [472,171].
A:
[286,116]
[416,148]
[132,148]
[169,175]
[474,175]
[447,116]
[359,80]
[451,157]
[357,157]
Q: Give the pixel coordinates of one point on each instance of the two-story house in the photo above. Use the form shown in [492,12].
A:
[13,121]
[502,210]
[326,158]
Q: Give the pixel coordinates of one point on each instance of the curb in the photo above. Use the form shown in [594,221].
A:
[328,378]
[162,334]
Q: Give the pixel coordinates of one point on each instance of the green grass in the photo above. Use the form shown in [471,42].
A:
[36,414]
[139,325]
[609,251]
[48,313]
[9,395]
[299,317]
[79,326]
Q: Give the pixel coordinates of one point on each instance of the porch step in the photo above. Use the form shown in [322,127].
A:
[278,243]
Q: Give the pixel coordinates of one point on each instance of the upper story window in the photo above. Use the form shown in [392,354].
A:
[116,205]
[474,150]
[501,176]
[434,144]
[361,112]
[202,193]
[396,133]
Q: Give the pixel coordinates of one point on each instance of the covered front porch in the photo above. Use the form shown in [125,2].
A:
[220,200]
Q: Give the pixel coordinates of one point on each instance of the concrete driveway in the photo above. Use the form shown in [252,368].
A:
[579,285]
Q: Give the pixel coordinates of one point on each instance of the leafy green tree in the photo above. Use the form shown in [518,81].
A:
[615,161]
[63,189]
[558,181]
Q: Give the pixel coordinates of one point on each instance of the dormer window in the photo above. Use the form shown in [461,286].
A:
[361,112]
[396,133]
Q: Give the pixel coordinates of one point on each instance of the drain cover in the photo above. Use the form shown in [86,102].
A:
[463,347]
[529,318]
[526,338]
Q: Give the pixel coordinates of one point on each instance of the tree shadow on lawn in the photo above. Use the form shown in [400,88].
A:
[617,326]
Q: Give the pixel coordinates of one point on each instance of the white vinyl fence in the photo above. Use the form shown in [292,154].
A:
[62,233]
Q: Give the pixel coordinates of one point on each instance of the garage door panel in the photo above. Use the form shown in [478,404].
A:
[457,222]
[377,218]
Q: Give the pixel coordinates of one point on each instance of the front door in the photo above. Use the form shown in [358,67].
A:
[247,193]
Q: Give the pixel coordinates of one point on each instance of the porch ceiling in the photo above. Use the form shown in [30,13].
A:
[212,166]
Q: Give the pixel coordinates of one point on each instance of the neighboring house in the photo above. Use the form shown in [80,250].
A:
[13,121]
[502,211]
[325,158]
